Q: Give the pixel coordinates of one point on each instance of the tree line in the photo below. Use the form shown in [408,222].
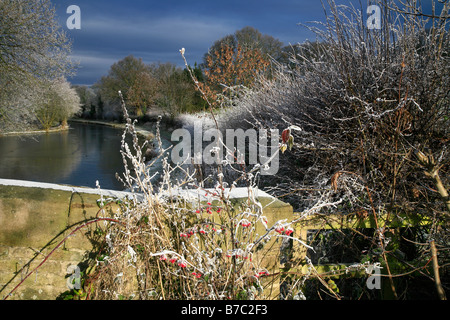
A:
[144,86]
[232,63]
[35,64]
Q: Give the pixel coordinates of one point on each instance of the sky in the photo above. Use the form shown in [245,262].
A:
[156,30]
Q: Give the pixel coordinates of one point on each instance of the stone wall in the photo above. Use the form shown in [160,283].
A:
[36,217]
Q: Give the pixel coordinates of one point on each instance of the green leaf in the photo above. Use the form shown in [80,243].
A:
[333,286]
[290,142]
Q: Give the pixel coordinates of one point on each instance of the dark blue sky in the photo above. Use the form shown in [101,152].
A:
[156,30]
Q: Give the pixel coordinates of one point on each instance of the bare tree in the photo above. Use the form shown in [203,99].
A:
[31,41]
[56,102]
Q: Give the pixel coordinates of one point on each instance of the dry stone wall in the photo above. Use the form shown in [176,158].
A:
[36,217]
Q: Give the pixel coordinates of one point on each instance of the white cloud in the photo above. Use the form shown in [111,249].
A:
[89,59]
[92,66]
[164,29]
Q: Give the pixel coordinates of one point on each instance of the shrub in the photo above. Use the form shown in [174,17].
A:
[165,243]
[367,106]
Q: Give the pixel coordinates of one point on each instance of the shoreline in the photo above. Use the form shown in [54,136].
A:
[148,135]
[31,132]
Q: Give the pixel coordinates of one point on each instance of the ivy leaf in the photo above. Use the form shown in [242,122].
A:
[333,286]
[290,142]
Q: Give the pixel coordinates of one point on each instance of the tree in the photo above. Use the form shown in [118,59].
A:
[249,38]
[175,91]
[230,68]
[142,93]
[69,100]
[56,102]
[89,101]
[236,61]
[134,79]
[33,47]
[17,104]
[31,41]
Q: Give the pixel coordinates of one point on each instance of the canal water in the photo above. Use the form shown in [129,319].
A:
[79,157]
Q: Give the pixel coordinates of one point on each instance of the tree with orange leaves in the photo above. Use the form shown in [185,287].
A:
[235,62]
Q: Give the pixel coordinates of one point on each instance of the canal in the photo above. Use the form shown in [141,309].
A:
[84,154]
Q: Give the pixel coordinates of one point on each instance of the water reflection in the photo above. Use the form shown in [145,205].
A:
[79,157]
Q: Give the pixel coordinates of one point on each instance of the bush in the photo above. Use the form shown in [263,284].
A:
[368,105]
[165,243]
[57,103]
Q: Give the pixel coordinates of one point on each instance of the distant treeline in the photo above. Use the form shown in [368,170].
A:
[234,61]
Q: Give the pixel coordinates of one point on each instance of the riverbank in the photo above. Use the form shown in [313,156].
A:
[32,132]
[144,133]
